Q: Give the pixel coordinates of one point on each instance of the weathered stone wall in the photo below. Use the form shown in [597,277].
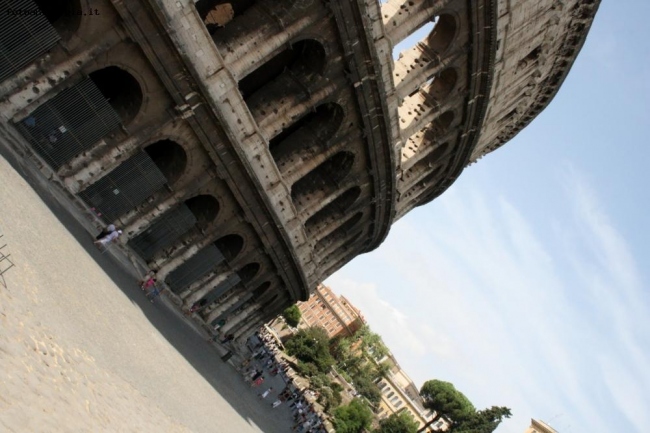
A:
[287,138]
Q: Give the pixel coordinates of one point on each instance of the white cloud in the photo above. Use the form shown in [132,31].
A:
[549,320]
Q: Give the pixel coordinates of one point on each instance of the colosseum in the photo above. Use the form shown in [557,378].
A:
[250,148]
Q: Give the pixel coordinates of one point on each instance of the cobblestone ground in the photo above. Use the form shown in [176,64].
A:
[82,349]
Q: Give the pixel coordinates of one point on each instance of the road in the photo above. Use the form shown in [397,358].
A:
[82,349]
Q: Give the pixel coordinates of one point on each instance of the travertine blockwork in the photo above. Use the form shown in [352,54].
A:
[250,148]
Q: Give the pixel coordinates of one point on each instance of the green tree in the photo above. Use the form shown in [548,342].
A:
[398,423]
[484,421]
[352,418]
[311,346]
[292,315]
[446,401]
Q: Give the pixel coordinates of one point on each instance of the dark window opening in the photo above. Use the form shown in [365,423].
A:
[205,209]
[304,57]
[169,157]
[121,90]
[64,15]
[230,246]
[326,177]
[334,210]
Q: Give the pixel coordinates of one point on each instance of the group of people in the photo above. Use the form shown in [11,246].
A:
[265,362]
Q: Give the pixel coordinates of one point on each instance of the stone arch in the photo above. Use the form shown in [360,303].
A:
[341,232]
[230,246]
[64,15]
[261,289]
[334,210]
[308,134]
[325,178]
[426,163]
[121,89]
[204,207]
[305,57]
[443,84]
[443,34]
[248,272]
[169,157]
[441,124]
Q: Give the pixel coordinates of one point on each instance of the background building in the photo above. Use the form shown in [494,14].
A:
[250,148]
[331,312]
[537,426]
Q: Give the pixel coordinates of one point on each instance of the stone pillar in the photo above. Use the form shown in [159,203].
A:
[207,287]
[283,101]
[234,321]
[416,66]
[182,256]
[242,333]
[260,32]
[237,295]
[17,93]
[419,146]
[403,17]
[417,112]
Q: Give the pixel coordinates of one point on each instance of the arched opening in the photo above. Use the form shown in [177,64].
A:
[441,124]
[326,178]
[205,209]
[230,246]
[248,272]
[194,268]
[442,34]
[442,85]
[217,13]
[334,210]
[309,133]
[136,179]
[306,57]
[340,233]
[261,289]
[169,157]
[64,15]
[426,163]
[406,44]
[121,89]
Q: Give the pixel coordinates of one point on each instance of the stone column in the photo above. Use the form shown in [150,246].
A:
[403,17]
[234,321]
[182,256]
[237,295]
[207,287]
[244,332]
[417,112]
[283,101]
[418,65]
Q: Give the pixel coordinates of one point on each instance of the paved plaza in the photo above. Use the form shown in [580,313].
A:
[82,349]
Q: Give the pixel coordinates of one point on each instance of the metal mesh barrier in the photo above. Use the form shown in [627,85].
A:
[71,122]
[222,288]
[163,232]
[194,268]
[121,190]
[25,34]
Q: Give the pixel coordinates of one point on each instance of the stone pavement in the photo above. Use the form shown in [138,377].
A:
[82,349]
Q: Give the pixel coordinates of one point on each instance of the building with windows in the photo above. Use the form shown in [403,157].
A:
[399,394]
[251,148]
[331,312]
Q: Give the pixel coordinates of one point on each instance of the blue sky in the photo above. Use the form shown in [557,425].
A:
[526,283]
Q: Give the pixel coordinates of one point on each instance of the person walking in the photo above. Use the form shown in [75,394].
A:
[266,393]
[105,231]
[103,242]
[257,382]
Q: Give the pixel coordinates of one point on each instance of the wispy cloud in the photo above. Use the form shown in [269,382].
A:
[549,319]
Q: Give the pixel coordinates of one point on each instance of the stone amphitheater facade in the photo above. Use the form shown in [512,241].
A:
[250,148]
